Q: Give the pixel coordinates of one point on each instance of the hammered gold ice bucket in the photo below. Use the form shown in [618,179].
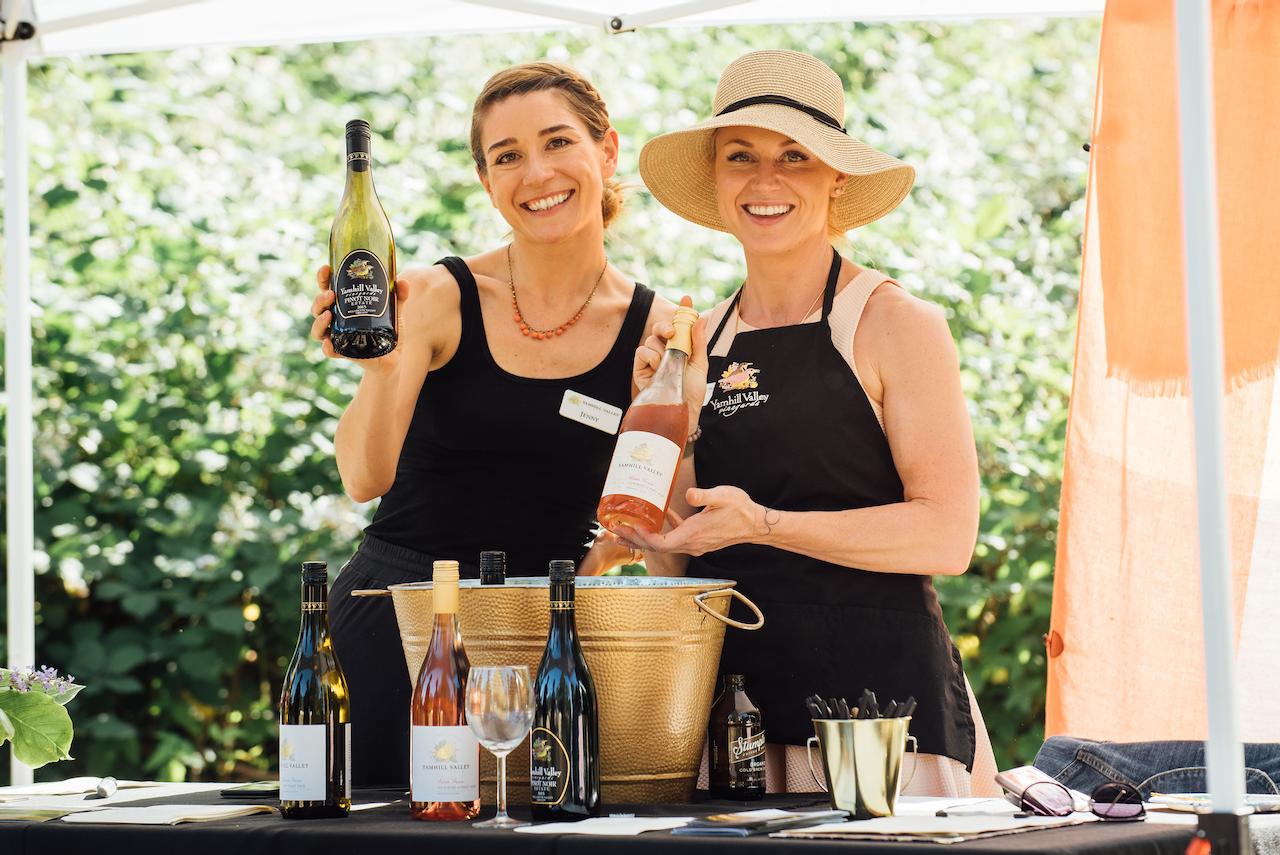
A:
[652,645]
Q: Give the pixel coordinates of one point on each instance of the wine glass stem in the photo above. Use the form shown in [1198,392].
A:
[502,786]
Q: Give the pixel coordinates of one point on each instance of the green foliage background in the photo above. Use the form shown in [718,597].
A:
[181,203]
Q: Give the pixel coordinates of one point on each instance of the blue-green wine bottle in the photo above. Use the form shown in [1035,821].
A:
[564,748]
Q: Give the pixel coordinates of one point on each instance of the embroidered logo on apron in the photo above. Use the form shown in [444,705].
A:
[739,379]
[739,375]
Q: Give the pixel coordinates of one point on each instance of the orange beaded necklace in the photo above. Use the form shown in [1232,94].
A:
[525,329]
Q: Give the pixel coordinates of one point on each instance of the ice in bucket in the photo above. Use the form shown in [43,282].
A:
[862,762]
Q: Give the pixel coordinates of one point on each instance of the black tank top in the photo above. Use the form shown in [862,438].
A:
[489,462]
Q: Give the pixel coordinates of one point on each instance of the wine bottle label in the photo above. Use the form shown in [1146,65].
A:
[643,466]
[444,764]
[361,286]
[549,768]
[303,770]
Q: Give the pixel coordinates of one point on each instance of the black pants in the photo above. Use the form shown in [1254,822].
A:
[366,638]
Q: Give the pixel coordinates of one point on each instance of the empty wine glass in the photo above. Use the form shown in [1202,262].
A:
[500,712]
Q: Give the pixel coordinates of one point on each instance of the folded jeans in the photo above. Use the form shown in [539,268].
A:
[1162,766]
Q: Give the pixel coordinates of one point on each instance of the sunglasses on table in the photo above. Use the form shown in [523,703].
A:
[1111,801]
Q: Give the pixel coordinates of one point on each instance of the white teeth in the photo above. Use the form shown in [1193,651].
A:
[549,202]
[767,210]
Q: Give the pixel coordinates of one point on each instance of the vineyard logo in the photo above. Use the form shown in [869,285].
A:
[360,269]
[541,749]
[287,750]
[739,375]
[642,453]
[445,751]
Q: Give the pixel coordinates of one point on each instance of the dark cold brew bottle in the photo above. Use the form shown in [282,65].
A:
[736,737]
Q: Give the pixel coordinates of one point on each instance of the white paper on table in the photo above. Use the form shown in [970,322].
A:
[921,806]
[70,787]
[168,814]
[609,826]
[941,828]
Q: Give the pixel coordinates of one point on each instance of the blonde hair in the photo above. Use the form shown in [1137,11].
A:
[582,98]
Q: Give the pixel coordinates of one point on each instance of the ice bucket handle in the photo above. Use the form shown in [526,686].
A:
[700,601]
[371,592]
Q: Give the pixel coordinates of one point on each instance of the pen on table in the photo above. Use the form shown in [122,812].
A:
[1022,814]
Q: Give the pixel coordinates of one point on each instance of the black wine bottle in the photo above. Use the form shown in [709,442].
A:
[736,737]
[362,260]
[315,714]
[493,568]
[564,748]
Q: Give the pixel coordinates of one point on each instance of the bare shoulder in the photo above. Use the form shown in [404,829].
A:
[431,314]
[899,335]
[897,320]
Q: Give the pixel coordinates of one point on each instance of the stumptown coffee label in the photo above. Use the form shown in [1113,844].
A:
[746,753]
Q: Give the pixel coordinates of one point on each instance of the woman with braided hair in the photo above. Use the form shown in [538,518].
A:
[478,430]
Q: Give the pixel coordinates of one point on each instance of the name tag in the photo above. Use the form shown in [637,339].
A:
[589,411]
[711,388]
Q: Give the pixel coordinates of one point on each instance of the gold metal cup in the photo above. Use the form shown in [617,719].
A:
[862,762]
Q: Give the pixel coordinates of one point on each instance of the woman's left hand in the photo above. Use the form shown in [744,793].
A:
[728,517]
[607,552]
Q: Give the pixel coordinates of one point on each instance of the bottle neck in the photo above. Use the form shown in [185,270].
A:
[562,609]
[668,380]
[315,617]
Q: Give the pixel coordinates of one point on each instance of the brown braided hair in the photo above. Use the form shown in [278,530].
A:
[579,96]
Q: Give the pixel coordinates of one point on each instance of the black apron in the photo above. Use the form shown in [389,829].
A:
[790,424]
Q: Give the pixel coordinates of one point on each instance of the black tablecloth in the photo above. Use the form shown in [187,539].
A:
[389,831]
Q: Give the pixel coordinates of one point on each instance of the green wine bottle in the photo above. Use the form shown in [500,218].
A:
[362,260]
[315,714]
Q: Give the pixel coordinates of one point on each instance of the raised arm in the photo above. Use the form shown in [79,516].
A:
[371,431]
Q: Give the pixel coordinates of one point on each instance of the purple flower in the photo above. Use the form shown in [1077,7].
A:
[26,679]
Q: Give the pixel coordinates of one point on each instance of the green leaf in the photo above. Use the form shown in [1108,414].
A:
[230,620]
[41,727]
[6,726]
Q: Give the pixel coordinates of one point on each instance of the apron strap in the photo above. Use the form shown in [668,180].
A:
[828,298]
[829,295]
[732,308]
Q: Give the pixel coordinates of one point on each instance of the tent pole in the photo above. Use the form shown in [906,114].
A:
[1224,751]
[19,456]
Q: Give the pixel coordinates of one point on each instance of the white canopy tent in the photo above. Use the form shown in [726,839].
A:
[67,27]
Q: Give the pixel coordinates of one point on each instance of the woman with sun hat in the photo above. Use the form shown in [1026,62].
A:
[834,472]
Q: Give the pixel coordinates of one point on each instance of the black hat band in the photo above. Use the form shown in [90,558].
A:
[784,101]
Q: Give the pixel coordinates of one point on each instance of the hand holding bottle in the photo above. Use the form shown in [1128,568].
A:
[728,517]
[322,313]
[649,357]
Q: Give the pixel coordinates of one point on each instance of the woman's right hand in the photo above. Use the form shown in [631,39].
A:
[322,313]
[649,356]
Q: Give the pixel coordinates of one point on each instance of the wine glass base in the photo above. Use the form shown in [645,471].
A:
[500,822]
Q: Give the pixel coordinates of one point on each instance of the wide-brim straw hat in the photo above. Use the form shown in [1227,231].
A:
[789,93]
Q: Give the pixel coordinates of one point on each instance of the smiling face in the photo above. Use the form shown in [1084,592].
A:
[543,171]
[773,194]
